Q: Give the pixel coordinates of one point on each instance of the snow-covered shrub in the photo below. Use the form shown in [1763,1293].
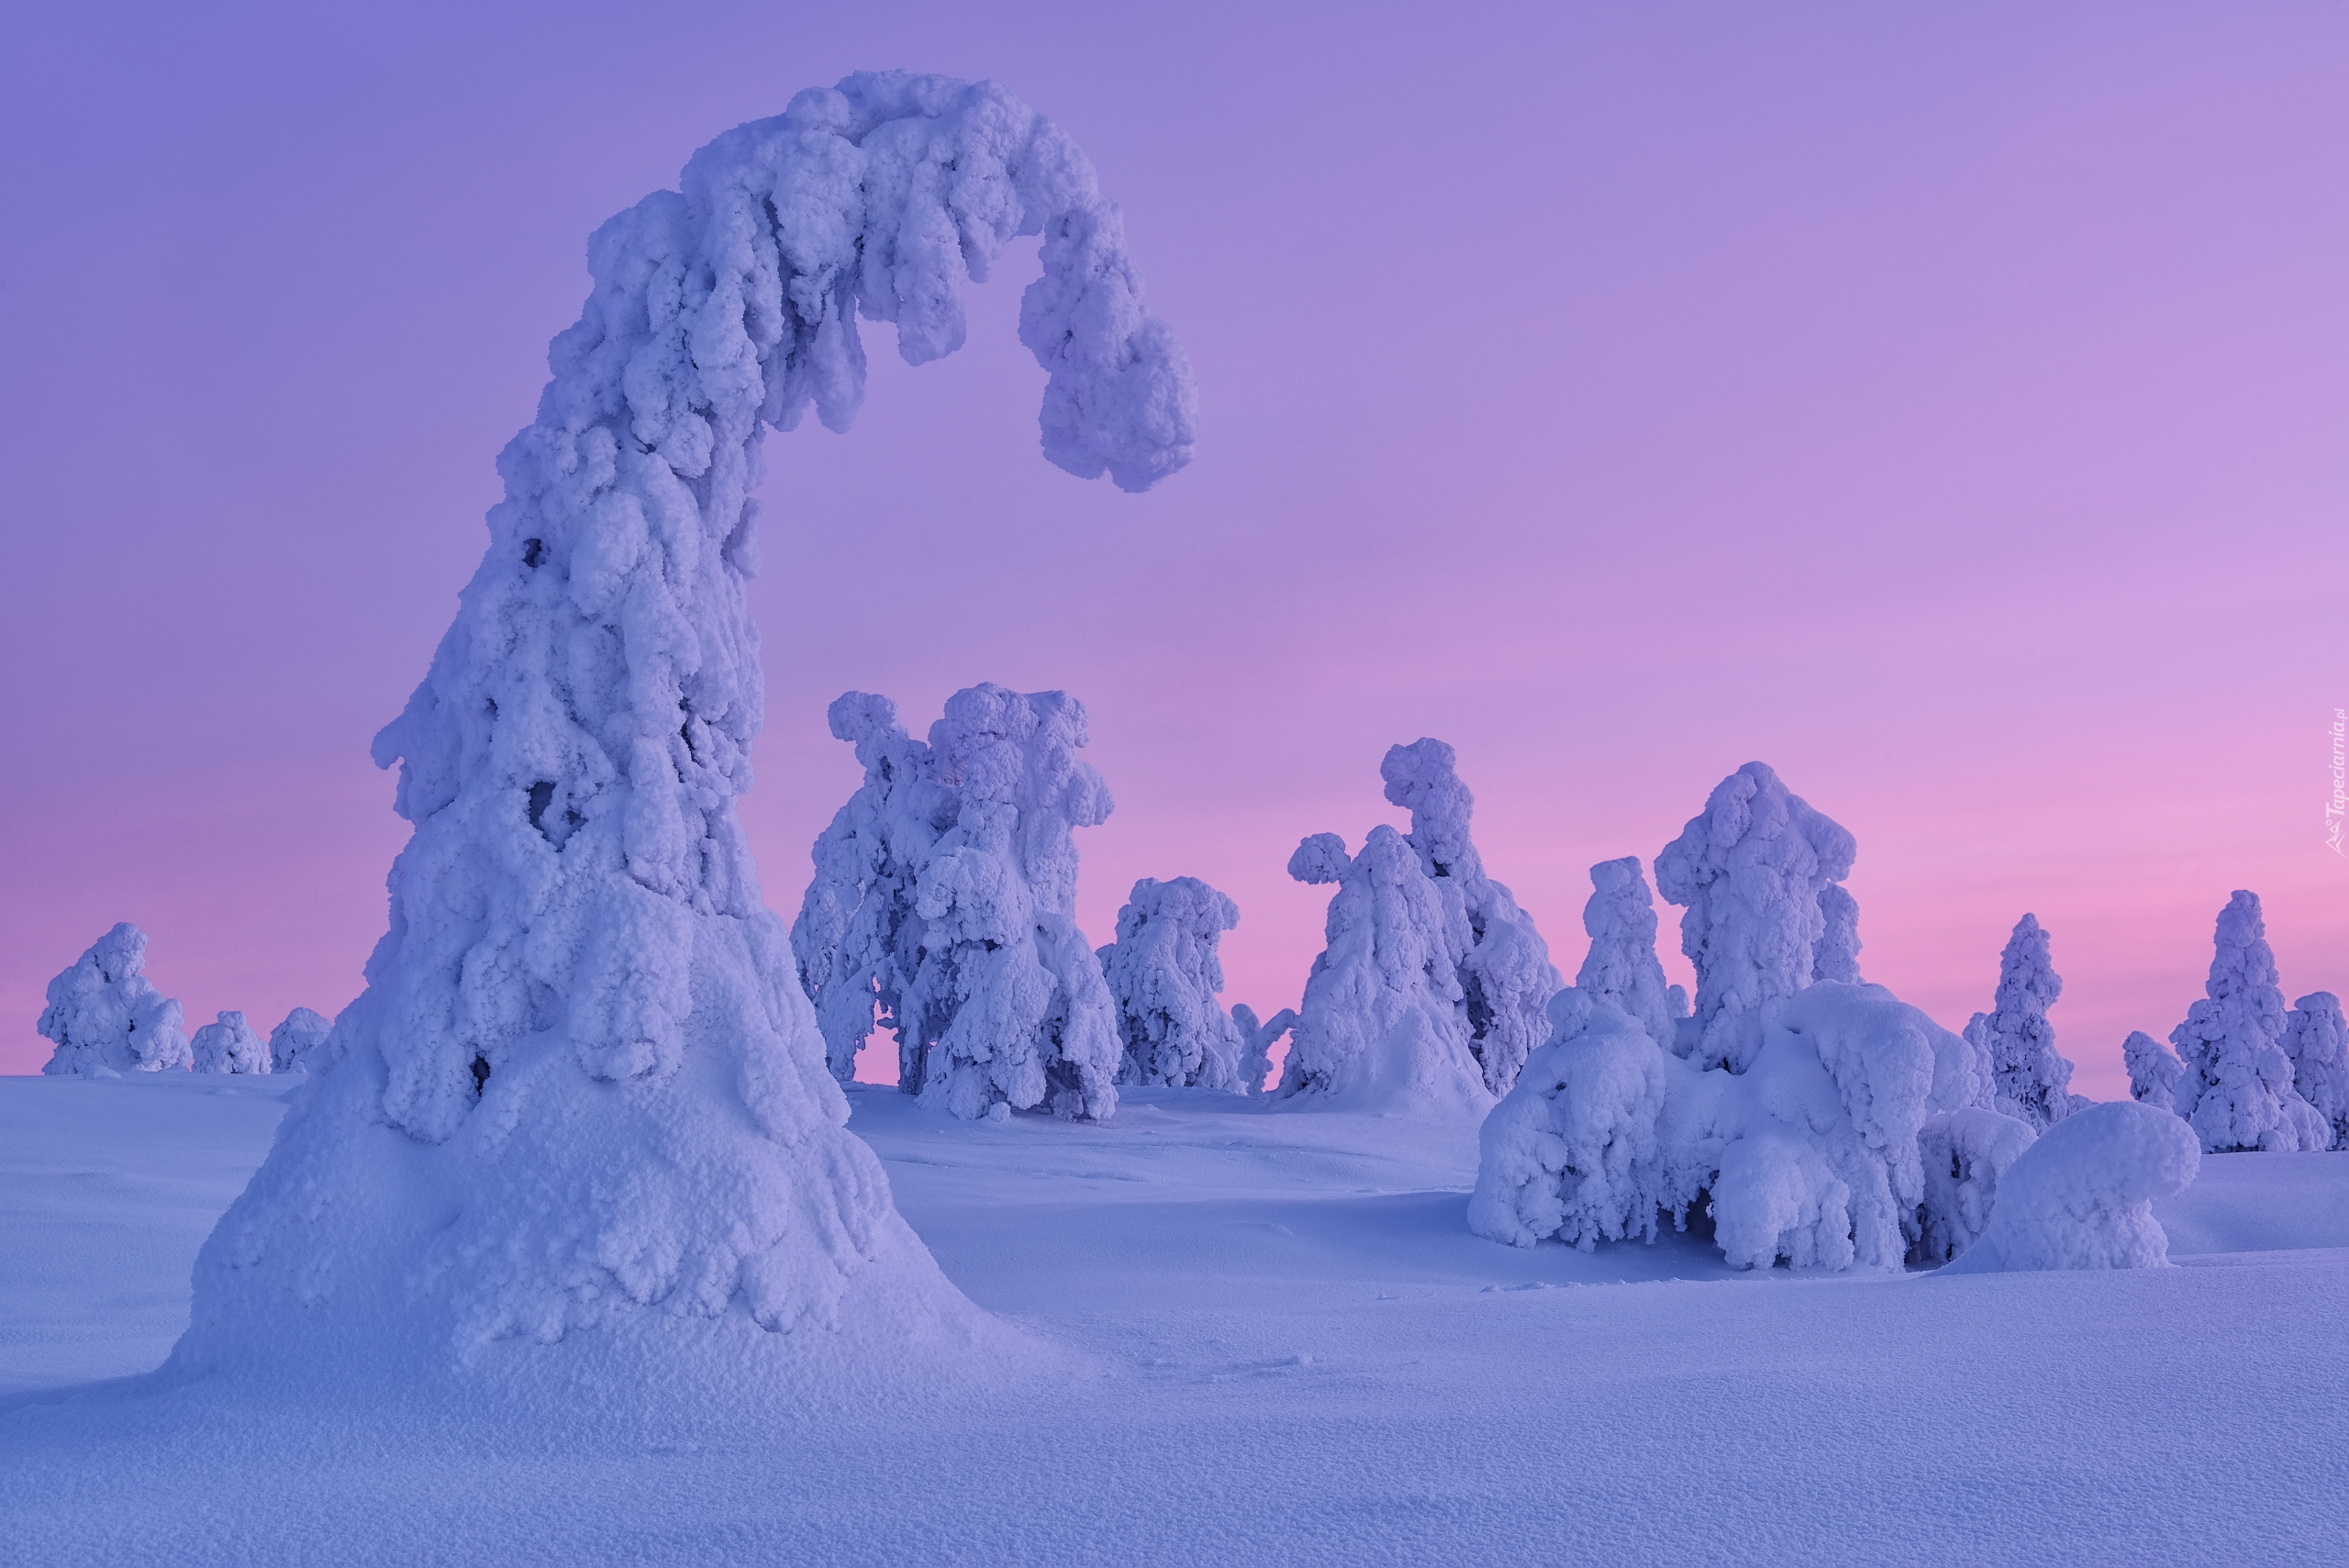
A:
[2237,1087]
[1384,1023]
[2082,1195]
[2154,1073]
[104,1015]
[582,1087]
[1965,1154]
[230,1045]
[1163,973]
[1506,977]
[2034,1082]
[1837,956]
[1751,871]
[292,1042]
[1257,1039]
[2318,1042]
[1621,966]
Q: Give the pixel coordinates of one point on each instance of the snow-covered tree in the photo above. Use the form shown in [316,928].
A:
[2154,1073]
[1621,967]
[1506,976]
[1258,1037]
[2082,1195]
[2318,1041]
[2033,1081]
[292,1042]
[1385,1024]
[2237,1089]
[1164,975]
[582,1088]
[228,1045]
[1837,956]
[105,1016]
[1967,1152]
[1751,872]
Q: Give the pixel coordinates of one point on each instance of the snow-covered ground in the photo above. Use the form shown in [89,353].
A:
[1258,1337]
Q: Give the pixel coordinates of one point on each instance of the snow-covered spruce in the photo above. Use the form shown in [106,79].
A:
[582,1088]
[2082,1195]
[2318,1042]
[1164,975]
[1506,977]
[1384,1023]
[104,1015]
[228,1045]
[1966,1153]
[2154,1073]
[294,1043]
[1621,967]
[2033,1081]
[1752,871]
[1257,1038]
[1837,956]
[2236,1089]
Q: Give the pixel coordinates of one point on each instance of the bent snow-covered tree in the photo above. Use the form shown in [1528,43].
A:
[104,1015]
[582,1087]
[2153,1071]
[2033,1081]
[2237,1089]
[1165,977]
[1506,977]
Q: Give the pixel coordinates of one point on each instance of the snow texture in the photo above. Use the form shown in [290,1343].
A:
[2318,1041]
[2082,1195]
[1751,871]
[230,1045]
[2033,1081]
[1164,975]
[2153,1071]
[2237,1089]
[1385,1022]
[104,1015]
[582,1089]
[1621,967]
[292,1042]
[1258,1039]
[1506,977]
[1967,1152]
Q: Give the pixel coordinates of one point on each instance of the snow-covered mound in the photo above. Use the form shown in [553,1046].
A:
[584,1090]
[230,1045]
[2082,1196]
[2237,1086]
[105,1016]
[292,1041]
[1165,976]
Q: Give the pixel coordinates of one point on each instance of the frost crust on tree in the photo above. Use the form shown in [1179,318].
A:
[2082,1195]
[1385,1022]
[1506,976]
[1165,976]
[582,1088]
[2154,1073]
[1751,872]
[230,1045]
[2033,1080]
[292,1044]
[2236,1089]
[104,1015]
[2318,1041]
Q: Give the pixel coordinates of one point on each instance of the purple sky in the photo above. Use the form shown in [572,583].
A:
[1949,406]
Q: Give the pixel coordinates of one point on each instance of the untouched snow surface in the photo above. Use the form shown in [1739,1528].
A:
[1254,1335]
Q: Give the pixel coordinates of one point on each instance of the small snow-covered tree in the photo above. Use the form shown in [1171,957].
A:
[1621,967]
[2154,1073]
[104,1015]
[2033,1081]
[2082,1195]
[1258,1038]
[1385,1024]
[582,1089]
[1164,973]
[1837,956]
[2318,1041]
[1751,872]
[2236,1089]
[292,1043]
[1967,1152]
[230,1045]
[1506,976]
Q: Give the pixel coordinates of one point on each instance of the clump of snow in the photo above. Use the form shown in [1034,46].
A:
[292,1042]
[1384,1025]
[2318,1041]
[1257,1038]
[1506,977]
[2081,1196]
[2237,1088]
[584,1089]
[1621,966]
[105,1016]
[1164,973]
[1967,1152]
[230,1045]
[1751,871]
[2033,1081]
[2154,1073]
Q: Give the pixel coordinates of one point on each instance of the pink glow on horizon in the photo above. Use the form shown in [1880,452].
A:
[1948,411]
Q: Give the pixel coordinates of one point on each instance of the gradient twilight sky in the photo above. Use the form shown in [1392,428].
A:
[1947,406]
